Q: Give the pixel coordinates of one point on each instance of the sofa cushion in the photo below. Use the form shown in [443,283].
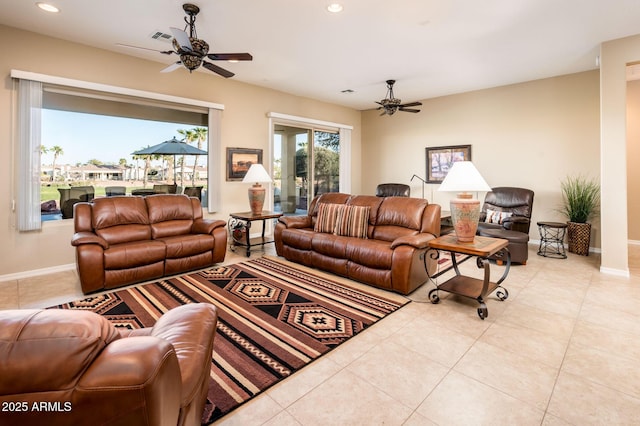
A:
[402,211]
[121,219]
[134,254]
[330,245]
[49,349]
[353,221]
[169,215]
[187,245]
[327,217]
[372,253]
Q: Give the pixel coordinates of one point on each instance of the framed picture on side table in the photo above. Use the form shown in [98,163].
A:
[440,159]
[239,160]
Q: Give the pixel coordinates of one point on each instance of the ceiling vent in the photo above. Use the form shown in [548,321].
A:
[159,35]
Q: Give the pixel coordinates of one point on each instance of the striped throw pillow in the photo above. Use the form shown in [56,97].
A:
[327,217]
[353,221]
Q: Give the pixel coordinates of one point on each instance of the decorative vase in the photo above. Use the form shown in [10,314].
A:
[256,198]
[579,237]
[465,212]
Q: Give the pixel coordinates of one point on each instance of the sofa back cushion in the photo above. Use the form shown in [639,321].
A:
[169,215]
[48,350]
[398,217]
[120,219]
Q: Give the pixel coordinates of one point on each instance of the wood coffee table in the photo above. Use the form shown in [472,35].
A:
[478,289]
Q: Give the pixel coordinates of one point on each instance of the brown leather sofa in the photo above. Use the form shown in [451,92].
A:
[65,367]
[125,240]
[392,256]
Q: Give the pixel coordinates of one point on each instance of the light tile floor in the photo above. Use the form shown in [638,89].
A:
[563,349]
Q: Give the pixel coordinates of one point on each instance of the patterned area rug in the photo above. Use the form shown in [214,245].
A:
[273,320]
[445,263]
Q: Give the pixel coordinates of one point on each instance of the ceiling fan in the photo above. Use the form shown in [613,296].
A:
[390,105]
[193,51]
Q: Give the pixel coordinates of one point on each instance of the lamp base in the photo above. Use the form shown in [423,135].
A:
[256,198]
[465,213]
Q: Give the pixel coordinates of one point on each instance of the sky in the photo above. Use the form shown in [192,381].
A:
[88,136]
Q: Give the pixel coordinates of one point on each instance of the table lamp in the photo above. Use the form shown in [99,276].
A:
[256,174]
[464,178]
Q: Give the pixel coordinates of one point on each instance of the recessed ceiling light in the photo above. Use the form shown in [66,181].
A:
[48,7]
[335,8]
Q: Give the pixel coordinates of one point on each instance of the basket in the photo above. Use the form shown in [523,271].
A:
[579,237]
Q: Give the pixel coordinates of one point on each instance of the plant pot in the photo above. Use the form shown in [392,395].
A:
[579,237]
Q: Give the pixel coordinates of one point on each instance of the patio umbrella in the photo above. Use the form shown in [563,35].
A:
[171,147]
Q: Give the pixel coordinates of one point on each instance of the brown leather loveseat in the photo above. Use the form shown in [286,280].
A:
[129,239]
[66,367]
[389,252]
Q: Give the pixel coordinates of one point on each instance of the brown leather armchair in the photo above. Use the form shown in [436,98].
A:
[64,367]
[506,213]
[393,190]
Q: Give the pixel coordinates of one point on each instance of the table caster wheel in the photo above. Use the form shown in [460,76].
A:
[483,312]
[433,296]
[502,294]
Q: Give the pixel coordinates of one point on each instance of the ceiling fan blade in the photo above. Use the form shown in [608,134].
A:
[217,69]
[409,110]
[172,67]
[182,38]
[412,104]
[165,52]
[230,56]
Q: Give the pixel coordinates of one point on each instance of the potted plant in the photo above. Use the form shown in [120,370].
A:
[581,202]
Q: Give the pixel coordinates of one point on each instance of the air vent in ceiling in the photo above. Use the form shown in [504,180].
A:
[159,35]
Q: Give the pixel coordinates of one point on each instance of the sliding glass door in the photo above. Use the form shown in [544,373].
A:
[306,162]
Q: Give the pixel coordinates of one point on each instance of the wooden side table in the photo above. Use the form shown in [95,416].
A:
[240,229]
[478,289]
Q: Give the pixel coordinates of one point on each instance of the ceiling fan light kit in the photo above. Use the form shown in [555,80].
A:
[391,104]
[193,51]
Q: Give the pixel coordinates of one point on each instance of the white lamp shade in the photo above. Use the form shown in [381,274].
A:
[463,177]
[256,174]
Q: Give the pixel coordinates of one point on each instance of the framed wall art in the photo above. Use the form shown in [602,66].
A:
[441,158]
[239,160]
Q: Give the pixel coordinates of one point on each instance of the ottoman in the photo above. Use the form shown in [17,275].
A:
[518,243]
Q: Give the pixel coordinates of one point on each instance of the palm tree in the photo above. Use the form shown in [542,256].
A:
[147,165]
[200,134]
[189,136]
[57,151]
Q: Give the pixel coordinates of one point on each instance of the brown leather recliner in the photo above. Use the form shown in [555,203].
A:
[66,367]
[506,213]
[393,190]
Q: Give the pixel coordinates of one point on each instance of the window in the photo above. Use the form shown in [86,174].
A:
[59,94]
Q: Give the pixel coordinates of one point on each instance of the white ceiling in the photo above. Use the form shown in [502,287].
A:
[431,47]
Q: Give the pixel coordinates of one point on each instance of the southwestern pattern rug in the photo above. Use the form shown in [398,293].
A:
[273,320]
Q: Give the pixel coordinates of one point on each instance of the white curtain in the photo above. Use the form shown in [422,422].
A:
[345,160]
[29,134]
[214,160]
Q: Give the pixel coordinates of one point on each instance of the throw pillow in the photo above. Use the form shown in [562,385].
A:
[494,216]
[353,221]
[327,217]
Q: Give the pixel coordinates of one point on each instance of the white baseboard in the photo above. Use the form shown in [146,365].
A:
[37,272]
[617,272]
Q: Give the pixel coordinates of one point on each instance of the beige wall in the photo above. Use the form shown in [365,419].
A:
[528,135]
[614,57]
[244,124]
[633,154]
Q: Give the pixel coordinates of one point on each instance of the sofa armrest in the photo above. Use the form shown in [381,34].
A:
[517,223]
[80,238]
[419,241]
[133,372]
[190,329]
[206,226]
[295,221]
